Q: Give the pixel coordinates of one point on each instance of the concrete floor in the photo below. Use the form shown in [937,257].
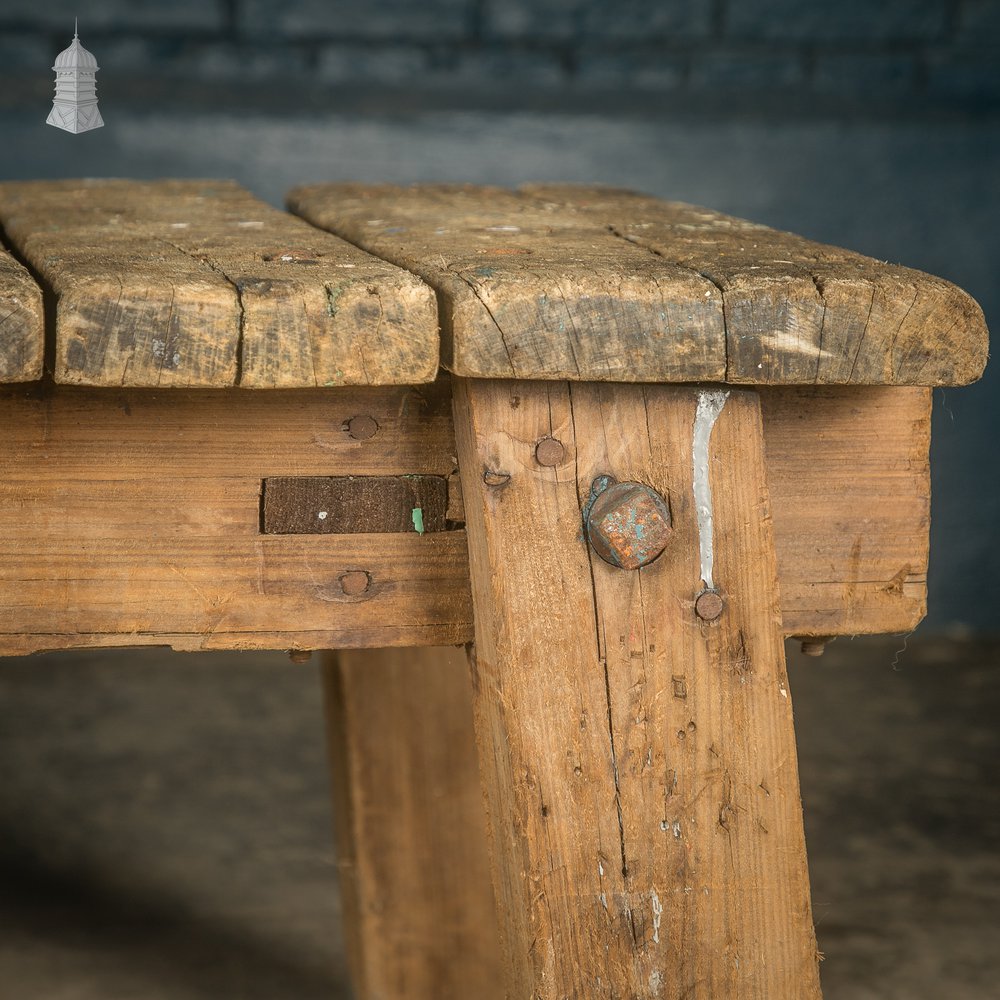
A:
[164,824]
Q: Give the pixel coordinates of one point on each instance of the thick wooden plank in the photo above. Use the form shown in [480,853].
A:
[133,518]
[601,284]
[197,283]
[848,470]
[22,323]
[139,434]
[255,592]
[803,312]
[419,915]
[531,292]
[329,505]
[639,764]
[90,479]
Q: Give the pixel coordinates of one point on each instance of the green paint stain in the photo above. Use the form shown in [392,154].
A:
[418,520]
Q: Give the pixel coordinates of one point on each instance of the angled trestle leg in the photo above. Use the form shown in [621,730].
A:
[638,760]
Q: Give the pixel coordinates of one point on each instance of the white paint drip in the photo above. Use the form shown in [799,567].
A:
[710,405]
[657,913]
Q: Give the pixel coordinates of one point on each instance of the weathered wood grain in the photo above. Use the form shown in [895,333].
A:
[419,916]
[639,765]
[329,505]
[133,518]
[798,311]
[197,283]
[607,285]
[90,479]
[872,538]
[848,470]
[22,323]
[530,292]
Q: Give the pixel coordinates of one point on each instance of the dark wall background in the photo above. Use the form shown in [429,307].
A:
[874,125]
[889,51]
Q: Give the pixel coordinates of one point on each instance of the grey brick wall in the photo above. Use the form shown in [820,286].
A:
[859,21]
[849,53]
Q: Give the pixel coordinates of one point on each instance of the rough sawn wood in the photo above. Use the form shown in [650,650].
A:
[606,285]
[419,917]
[639,765]
[197,283]
[133,518]
[109,497]
[22,323]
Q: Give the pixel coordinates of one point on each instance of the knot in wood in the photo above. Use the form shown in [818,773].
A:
[628,524]
[355,582]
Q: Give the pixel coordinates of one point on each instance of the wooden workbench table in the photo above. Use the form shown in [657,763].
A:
[618,448]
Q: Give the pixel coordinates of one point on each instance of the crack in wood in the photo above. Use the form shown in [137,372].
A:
[503,339]
[240,311]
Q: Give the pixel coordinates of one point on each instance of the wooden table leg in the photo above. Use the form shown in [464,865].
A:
[419,916]
[639,763]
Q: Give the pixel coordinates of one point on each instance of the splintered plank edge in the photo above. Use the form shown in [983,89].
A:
[22,323]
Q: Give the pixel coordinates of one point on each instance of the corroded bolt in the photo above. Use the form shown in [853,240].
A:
[355,582]
[628,524]
[549,452]
[814,645]
[361,428]
[708,605]
[300,655]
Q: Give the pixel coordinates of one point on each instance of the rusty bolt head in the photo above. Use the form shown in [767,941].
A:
[549,452]
[355,582]
[628,524]
[361,428]
[708,605]
[815,645]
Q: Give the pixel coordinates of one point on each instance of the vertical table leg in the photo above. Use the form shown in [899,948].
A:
[419,916]
[639,762]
